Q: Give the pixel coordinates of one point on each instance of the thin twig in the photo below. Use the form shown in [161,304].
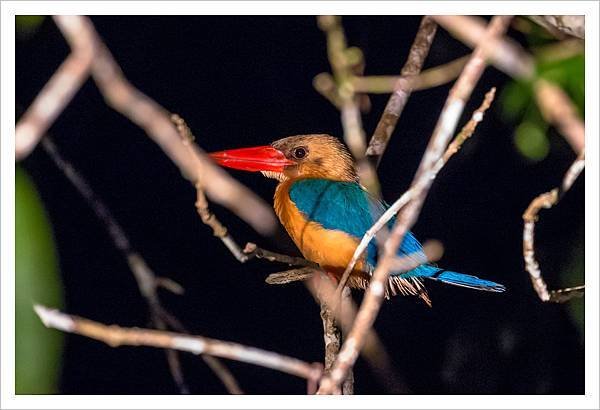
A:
[343,59]
[206,215]
[430,78]
[452,149]
[251,250]
[115,336]
[548,200]
[147,281]
[154,119]
[402,90]
[442,134]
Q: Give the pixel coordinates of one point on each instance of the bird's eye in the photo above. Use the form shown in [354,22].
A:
[299,152]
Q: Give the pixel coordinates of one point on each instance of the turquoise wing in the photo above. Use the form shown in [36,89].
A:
[347,207]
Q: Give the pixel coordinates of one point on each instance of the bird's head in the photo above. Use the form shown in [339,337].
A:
[297,157]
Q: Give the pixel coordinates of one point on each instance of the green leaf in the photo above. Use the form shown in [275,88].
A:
[531,141]
[38,350]
[516,97]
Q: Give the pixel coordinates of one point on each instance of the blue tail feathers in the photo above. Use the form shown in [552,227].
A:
[454,278]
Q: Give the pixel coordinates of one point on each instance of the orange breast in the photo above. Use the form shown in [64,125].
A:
[331,249]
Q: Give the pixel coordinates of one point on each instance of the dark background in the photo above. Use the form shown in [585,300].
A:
[243,81]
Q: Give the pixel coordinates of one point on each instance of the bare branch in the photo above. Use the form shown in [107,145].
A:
[402,90]
[442,133]
[571,25]
[559,50]
[332,336]
[558,109]
[548,200]
[51,101]
[115,336]
[154,119]
[506,54]
[430,78]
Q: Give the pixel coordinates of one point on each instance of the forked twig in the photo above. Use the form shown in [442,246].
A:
[504,53]
[442,134]
[154,119]
[548,200]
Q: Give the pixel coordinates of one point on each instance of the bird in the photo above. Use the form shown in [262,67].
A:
[326,211]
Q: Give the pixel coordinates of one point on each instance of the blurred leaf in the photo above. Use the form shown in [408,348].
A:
[519,106]
[516,97]
[26,26]
[38,350]
[531,141]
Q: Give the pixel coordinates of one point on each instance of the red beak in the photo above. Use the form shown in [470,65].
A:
[264,158]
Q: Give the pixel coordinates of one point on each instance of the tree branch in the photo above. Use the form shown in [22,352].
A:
[446,125]
[548,200]
[504,53]
[52,100]
[430,78]
[115,336]
[571,25]
[402,90]
[558,109]
[139,108]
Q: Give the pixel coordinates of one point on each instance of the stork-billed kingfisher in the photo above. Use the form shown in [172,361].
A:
[326,211]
